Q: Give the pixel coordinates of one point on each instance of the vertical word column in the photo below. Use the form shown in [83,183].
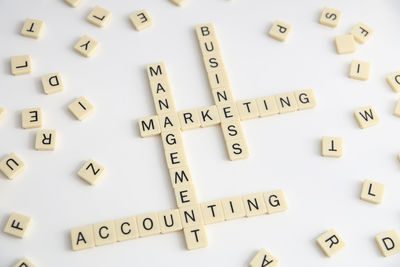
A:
[230,120]
[175,156]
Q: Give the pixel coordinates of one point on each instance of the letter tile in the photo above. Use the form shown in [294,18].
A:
[331,243]
[82,238]
[171,139]
[394,81]
[185,196]
[86,46]
[305,99]
[148,224]
[141,20]
[275,201]
[179,2]
[180,176]
[195,237]
[149,126]
[176,157]
[218,79]
[209,116]
[247,109]
[372,192]
[254,205]
[237,149]
[396,109]
[332,146]
[362,32]
[286,103]
[104,233]
[73,3]
[191,216]
[24,262]
[31,118]
[212,212]
[189,119]
[126,229]
[91,172]
[21,65]
[52,83]
[330,17]
[11,166]
[360,70]
[32,28]
[170,221]
[46,140]
[389,243]
[233,208]
[222,95]
[81,108]
[267,106]
[232,129]
[18,225]
[366,117]
[264,259]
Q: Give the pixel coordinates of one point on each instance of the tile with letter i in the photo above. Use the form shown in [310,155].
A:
[81,108]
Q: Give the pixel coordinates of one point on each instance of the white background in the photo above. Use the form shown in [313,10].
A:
[323,193]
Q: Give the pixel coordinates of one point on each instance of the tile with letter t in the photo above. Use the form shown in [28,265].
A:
[213,212]
[32,28]
[141,20]
[86,46]
[52,83]
[24,262]
[81,108]
[82,238]
[264,259]
[389,243]
[91,172]
[11,166]
[332,146]
[18,225]
[331,243]
[46,140]
[372,191]
[195,237]
[21,65]
[99,16]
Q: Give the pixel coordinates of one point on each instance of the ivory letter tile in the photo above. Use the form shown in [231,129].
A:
[73,3]
[11,166]
[31,118]
[32,28]
[360,70]
[104,233]
[189,119]
[233,208]
[332,146]
[171,139]
[362,32]
[389,243]
[280,31]
[209,116]
[254,205]
[86,46]
[366,117]
[275,201]
[218,79]
[99,16]
[148,224]
[126,229]
[247,109]
[141,20]
[228,111]
[149,126]
[212,212]
[164,104]
[267,106]
[24,262]
[372,192]
[179,2]
[170,221]
[264,258]
[191,216]
[46,140]
[330,17]
[222,95]
[81,108]
[91,172]
[232,130]
[331,243]
[175,158]
[195,237]
[18,225]
[52,83]
[345,44]
[237,149]
[286,103]
[394,81]
[21,65]
[180,176]
[305,99]
[82,238]
[185,196]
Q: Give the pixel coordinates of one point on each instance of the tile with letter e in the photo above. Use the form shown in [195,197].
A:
[18,225]
[185,195]
[372,192]
[81,108]
[141,20]
[31,118]
[11,166]
[331,243]
[91,172]
[32,28]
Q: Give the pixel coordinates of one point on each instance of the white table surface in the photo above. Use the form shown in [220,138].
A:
[322,193]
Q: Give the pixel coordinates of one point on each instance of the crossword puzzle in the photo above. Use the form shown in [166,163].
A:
[191,216]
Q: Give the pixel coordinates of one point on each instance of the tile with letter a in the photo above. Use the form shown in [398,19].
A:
[91,172]
[11,166]
[82,238]
[18,225]
[264,259]
[46,140]
[332,146]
